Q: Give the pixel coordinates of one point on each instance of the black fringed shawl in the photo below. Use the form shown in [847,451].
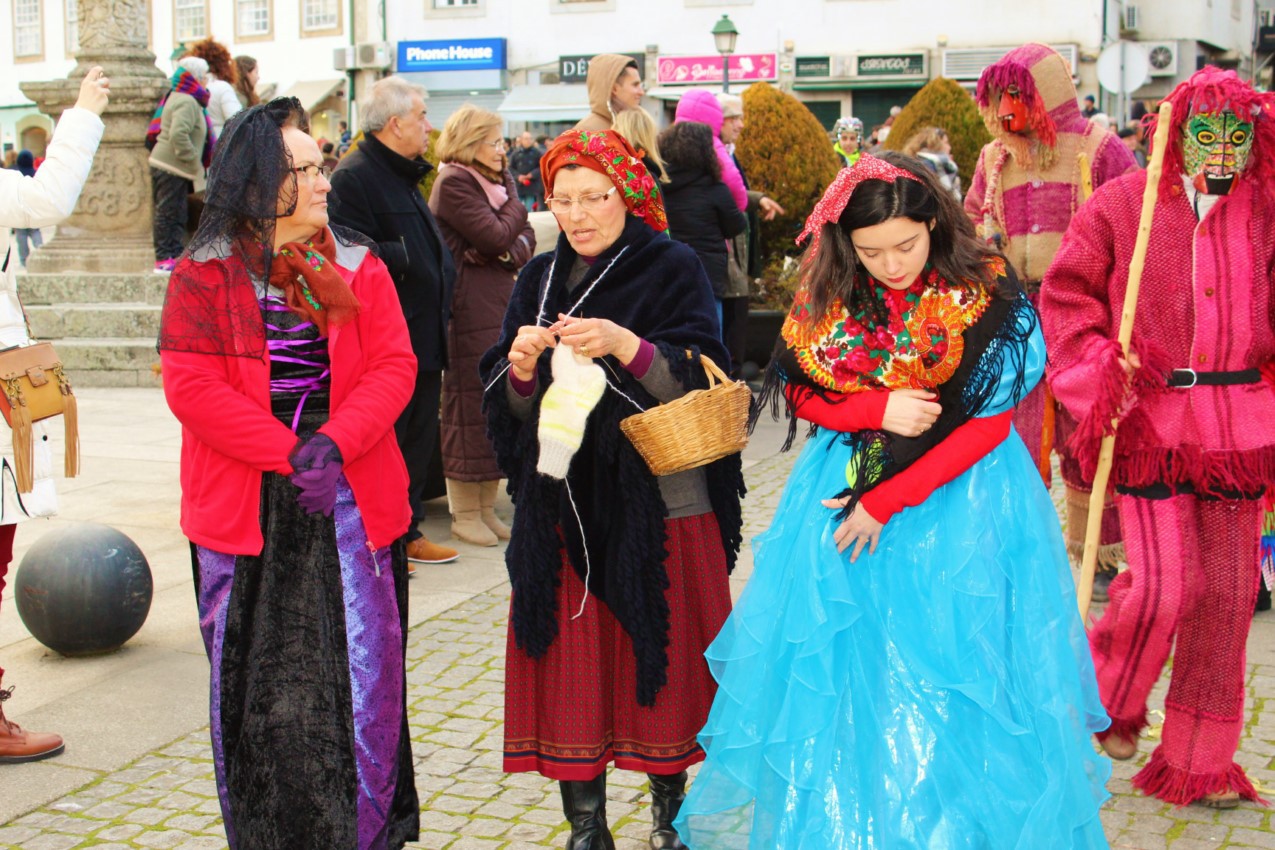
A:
[994,342]
[656,288]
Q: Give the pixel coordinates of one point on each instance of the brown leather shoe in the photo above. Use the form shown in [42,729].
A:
[17,745]
[1120,749]
[422,551]
[1227,799]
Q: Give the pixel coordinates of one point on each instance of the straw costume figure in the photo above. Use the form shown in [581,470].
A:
[1026,188]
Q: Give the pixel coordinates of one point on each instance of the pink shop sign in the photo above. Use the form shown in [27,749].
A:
[744,67]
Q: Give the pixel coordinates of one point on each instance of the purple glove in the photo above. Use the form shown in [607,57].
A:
[316,466]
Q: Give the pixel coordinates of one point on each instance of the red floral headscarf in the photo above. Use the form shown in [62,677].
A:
[837,195]
[611,155]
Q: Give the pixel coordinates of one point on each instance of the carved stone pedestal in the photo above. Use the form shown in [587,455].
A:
[110,230]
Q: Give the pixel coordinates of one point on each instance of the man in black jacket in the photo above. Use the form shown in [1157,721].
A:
[376,191]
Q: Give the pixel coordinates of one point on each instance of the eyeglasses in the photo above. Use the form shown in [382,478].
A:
[499,144]
[312,171]
[591,202]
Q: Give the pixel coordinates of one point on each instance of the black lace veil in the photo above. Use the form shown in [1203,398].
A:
[212,302]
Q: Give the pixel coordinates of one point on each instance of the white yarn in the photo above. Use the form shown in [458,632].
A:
[578,385]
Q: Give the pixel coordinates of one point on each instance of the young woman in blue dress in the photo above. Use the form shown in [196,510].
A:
[906,668]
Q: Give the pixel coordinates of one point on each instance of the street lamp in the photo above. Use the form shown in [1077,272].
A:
[724,35]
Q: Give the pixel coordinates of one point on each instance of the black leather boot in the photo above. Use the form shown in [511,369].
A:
[667,794]
[585,805]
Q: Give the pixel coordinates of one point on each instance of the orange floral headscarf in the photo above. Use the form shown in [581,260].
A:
[611,155]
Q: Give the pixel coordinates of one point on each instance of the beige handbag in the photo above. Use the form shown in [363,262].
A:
[33,386]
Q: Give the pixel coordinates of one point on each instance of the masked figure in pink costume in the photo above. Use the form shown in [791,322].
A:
[1025,190]
[1195,450]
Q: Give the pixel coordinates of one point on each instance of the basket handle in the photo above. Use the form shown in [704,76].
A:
[713,372]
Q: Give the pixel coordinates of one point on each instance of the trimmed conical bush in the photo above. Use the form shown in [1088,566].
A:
[943,103]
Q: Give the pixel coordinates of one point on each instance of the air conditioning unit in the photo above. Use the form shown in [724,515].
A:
[343,58]
[374,54]
[1163,56]
[967,63]
[1131,18]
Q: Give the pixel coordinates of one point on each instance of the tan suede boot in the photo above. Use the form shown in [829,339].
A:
[488,490]
[467,520]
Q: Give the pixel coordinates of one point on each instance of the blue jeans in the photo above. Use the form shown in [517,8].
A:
[24,250]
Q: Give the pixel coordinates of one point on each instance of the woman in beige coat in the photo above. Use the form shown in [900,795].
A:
[180,138]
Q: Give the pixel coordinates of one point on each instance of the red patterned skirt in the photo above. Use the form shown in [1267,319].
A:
[573,711]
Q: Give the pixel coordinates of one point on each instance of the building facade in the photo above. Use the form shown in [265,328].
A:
[294,42]
[527,58]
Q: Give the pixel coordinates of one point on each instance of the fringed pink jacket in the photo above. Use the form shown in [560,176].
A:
[1205,304]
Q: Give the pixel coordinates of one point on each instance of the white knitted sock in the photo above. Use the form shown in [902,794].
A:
[578,384]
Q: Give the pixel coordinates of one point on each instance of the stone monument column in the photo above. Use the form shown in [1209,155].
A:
[110,230]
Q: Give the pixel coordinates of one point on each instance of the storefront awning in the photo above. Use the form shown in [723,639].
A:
[545,103]
[311,93]
[676,92]
[860,83]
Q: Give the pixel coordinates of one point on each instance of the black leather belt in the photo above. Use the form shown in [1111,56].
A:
[1183,378]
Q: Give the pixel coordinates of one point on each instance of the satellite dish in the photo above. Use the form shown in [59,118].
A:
[1124,67]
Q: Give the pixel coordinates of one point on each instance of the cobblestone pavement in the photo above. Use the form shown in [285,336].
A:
[168,798]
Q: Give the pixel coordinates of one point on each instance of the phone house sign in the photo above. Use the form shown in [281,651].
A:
[465,54]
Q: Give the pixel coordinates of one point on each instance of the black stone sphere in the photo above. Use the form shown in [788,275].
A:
[83,589]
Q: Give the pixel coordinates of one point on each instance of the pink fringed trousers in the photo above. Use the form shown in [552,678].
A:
[1193,573]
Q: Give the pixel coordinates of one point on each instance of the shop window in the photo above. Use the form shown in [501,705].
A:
[190,20]
[252,19]
[28,29]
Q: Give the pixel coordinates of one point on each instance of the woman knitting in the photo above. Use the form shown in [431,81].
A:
[286,359]
[906,668]
[619,578]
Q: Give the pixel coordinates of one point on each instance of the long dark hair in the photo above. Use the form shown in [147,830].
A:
[245,65]
[956,253]
[688,145]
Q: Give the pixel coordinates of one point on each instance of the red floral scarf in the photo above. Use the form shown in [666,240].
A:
[312,287]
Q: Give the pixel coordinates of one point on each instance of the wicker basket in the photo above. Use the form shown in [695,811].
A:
[696,429]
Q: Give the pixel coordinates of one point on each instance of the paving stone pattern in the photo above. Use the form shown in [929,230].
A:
[168,798]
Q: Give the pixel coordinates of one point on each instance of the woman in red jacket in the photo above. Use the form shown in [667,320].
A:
[286,359]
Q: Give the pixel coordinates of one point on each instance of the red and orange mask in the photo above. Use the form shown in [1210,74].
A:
[1012,112]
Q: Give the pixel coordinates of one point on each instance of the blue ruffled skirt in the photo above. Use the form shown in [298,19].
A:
[937,694]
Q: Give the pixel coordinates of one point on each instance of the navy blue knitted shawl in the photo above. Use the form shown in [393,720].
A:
[656,288]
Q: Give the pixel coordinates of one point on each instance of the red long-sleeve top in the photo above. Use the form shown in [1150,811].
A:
[230,437]
[941,464]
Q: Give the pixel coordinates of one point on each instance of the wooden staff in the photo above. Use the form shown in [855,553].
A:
[1098,496]
[1086,176]
[1049,424]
